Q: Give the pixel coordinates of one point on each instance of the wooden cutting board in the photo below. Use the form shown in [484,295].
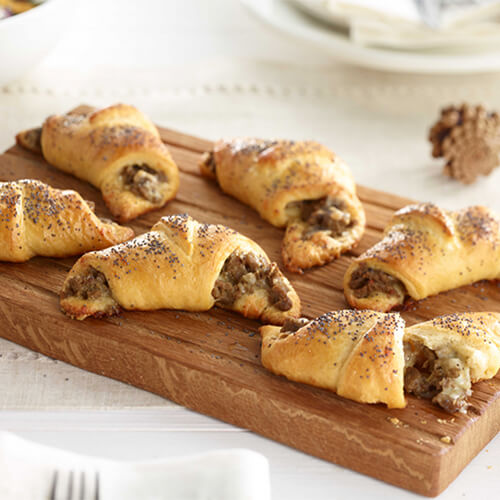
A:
[210,362]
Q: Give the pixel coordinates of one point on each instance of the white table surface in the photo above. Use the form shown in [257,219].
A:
[211,69]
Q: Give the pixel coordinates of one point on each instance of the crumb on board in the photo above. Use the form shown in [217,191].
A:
[445,439]
[423,441]
[396,422]
[423,422]
[444,421]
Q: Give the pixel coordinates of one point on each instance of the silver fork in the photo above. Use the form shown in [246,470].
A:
[69,485]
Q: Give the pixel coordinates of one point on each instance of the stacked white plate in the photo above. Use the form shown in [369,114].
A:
[391,35]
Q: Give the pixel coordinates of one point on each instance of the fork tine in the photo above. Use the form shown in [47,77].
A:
[52,495]
[70,485]
[75,487]
[96,495]
[82,486]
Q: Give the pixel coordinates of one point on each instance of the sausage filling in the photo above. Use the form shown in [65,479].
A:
[244,274]
[209,162]
[293,324]
[31,140]
[143,181]
[325,214]
[92,286]
[366,281]
[437,375]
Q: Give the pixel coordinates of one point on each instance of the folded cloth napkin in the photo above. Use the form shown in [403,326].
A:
[398,24]
[27,468]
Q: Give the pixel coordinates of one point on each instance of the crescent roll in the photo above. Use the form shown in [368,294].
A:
[117,150]
[36,219]
[370,357]
[444,356]
[357,354]
[180,264]
[425,250]
[302,186]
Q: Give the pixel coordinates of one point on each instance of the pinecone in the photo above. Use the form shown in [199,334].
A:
[468,137]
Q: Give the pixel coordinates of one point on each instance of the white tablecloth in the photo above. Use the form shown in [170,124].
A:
[209,68]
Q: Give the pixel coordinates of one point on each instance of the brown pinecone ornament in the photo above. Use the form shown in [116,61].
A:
[468,137]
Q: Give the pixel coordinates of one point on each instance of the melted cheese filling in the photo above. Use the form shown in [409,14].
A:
[439,375]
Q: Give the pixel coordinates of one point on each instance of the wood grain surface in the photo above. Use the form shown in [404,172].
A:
[210,362]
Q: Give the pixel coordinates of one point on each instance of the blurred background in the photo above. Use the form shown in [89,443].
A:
[225,68]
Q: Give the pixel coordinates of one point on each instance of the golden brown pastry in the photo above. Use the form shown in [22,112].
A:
[117,149]
[17,6]
[444,356]
[36,219]
[180,264]
[370,357]
[357,354]
[302,186]
[425,250]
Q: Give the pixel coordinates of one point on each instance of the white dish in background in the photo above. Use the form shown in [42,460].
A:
[28,37]
[285,17]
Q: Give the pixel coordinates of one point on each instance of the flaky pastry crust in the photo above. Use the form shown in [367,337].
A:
[425,250]
[445,356]
[37,219]
[357,354]
[281,180]
[179,264]
[473,337]
[370,357]
[116,149]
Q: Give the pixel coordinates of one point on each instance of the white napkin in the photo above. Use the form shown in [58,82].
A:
[27,468]
[465,24]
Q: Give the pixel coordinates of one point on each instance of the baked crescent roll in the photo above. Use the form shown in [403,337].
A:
[357,354]
[302,186]
[36,219]
[425,250]
[180,264]
[444,356]
[118,150]
[362,355]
